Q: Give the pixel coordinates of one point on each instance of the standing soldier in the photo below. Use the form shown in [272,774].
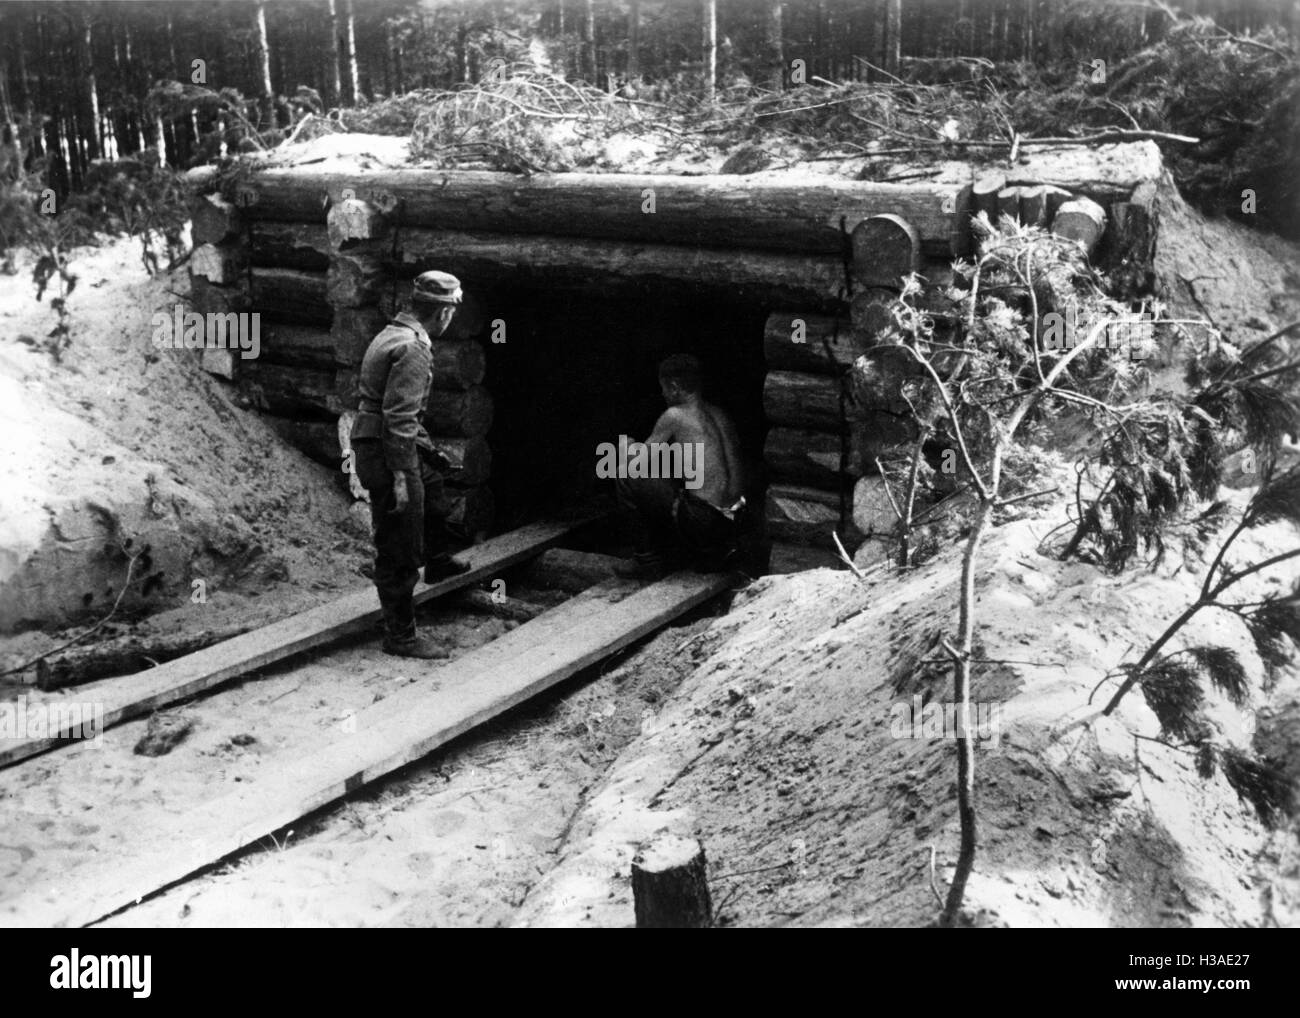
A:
[398,465]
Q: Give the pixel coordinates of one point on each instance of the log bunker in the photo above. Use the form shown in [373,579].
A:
[577,284]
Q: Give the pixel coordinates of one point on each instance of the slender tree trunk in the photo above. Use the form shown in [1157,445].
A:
[589,41]
[35,139]
[395,48]
[262,52]
[774,35]
[350,43]
[333,75]
[90,129]
[1053,42]
[965,741]
[634,42]
[709,47]
[462,49]
[892,35]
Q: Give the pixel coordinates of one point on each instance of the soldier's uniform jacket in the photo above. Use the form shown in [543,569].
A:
[396,373]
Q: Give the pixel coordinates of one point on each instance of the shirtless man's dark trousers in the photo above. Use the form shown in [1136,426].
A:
[670,525]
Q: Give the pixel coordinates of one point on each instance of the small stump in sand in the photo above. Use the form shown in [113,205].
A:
[669,887]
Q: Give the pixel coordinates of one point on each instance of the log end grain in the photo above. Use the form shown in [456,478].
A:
[886,248]
[1081,220]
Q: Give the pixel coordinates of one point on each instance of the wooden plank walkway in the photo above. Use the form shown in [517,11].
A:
[447,702]
[126,698]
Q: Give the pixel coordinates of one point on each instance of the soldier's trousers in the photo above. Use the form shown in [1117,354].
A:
[404,542]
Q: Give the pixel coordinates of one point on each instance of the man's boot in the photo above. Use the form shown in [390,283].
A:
[443,567]
[402,639]
[645,566]
[414,645]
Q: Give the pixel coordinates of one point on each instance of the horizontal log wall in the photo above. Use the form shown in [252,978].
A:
[328,268]
[317,290]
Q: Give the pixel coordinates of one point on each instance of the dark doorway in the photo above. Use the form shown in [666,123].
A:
[579,369]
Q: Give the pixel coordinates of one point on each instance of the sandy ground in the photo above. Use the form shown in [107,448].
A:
[779,754]
[454,840]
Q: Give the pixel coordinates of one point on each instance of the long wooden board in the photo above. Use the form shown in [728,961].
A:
[123,699]
[445,703]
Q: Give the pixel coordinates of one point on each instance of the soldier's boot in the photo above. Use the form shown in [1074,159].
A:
[402,639]
[443,567]
[414,646]
[648,567]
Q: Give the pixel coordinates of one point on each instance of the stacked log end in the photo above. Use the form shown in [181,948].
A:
[823,434]
[1119,237]
[320,294]
[809,451]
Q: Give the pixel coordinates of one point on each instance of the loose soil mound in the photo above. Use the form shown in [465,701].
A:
[123,450]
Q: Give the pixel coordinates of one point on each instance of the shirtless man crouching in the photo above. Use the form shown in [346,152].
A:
[696,515]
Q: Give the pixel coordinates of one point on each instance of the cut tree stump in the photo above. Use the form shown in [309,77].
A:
[886,248]
[670,886]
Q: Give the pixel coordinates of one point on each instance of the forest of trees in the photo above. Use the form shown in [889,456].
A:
[77,78]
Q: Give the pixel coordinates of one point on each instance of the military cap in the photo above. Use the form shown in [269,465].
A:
[437,288]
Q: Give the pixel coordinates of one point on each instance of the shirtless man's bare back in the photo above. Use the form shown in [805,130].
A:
[698,517]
